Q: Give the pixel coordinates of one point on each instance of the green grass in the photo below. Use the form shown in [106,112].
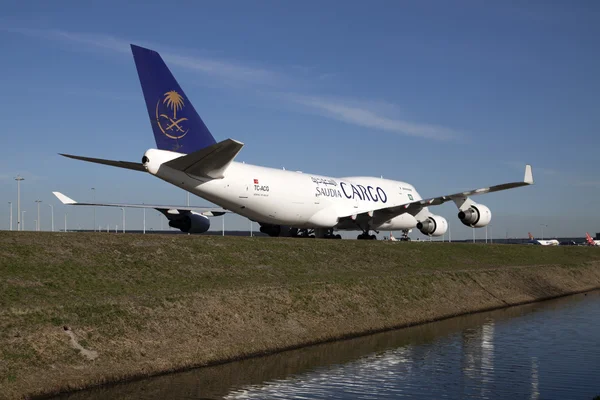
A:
[88,278]
[43,268]
[191,299]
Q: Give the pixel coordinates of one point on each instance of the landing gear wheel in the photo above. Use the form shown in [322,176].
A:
[338,236]
[305,233]
[366,236]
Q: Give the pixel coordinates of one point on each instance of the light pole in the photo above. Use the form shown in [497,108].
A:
[94,201]
[10,205]
[52,208]
[543,225]
[486,234]
[65,222]
[223,220]
[19,179]
[23,220]
[144,221]
[37,225]
[123,209]
[250,228]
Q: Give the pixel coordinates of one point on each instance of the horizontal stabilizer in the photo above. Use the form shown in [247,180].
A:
[210,162]
[207,211]
[120,164]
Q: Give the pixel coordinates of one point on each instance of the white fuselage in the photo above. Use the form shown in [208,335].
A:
[552,242]
[291,198]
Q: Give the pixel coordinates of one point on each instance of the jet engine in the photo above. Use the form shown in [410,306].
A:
[190,223]
[476,216]
[434,225]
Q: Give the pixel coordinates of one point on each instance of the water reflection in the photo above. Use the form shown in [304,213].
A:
[478,358]
[535,393]
[544,350]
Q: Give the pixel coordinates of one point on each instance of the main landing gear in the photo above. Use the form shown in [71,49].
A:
[305,233]
[331,235]
[319,233]
[278,230]
[405,237]
[366,236]
[325,233]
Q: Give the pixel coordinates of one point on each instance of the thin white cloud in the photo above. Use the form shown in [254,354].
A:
[536,169]
[100,41]
[370,115]
[588,183]
[547,171]
[566,178]
[226,70]
[373,115]
[229,71]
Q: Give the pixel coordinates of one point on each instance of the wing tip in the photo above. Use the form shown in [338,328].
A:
[528,175]
[64,199]
[68,156]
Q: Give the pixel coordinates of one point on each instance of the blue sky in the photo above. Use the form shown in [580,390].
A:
[445,95]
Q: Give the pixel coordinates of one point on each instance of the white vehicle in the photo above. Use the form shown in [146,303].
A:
[551,242]
[284,203]
[403,238]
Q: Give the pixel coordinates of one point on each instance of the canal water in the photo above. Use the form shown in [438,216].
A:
[547,350]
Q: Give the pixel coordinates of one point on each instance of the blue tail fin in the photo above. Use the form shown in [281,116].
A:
[176,124]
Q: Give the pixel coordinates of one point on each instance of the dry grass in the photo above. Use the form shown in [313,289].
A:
[154,303]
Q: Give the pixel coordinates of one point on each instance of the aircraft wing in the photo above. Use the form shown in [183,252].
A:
[414,207]
[206,211]
[120,164]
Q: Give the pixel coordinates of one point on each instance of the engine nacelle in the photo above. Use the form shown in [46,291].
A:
[476,216]
[434,225]
[190,223]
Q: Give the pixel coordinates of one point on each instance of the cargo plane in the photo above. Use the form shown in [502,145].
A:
[284,203]
[551,242]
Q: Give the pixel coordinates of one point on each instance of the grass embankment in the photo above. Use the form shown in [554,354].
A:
[150,303]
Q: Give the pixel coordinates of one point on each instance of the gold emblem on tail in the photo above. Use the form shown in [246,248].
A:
[171,126]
